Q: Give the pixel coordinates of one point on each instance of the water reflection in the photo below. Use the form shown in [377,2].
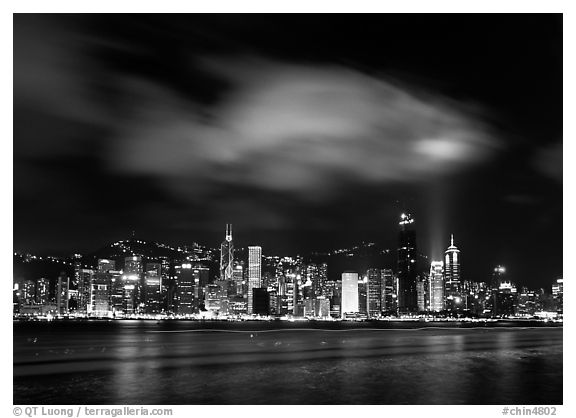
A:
[140,362]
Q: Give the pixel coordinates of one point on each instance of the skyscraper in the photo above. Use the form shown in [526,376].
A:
[389,291]
[349,293]
[498,276]
[375,292]
[437,286]
[452,282]
[185,282]
[254,273]
[407,270]
[152,289]
[227,256]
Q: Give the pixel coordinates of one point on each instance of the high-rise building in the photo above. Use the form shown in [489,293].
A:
[28,292]
[238,277]
[227,256]
[261,301]
[85,278]
[117,291]
[152,289]
[349,293]
[375,292]
[213,298]
[389,291]
[558,295]
[99,304]
[452,280]
[422,293]
[133,276]
[254,273]
[42,291]
[62,294]
[185,283]
[498,276]
[407,266]
[133,265]
[436,286]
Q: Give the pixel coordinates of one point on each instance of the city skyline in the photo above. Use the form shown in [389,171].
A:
[226,255]
[174,125]
[154,285]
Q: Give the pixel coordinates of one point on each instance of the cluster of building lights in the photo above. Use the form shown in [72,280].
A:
[293,290]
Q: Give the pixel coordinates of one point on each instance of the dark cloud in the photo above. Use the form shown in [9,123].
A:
[299,129]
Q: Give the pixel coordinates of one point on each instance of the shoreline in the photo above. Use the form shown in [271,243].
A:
[296,324]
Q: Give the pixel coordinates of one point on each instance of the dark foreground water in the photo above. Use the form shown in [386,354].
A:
[145,362]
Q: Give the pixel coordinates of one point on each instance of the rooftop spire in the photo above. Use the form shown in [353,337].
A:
[452,240]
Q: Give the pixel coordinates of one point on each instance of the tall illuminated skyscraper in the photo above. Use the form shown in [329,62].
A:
[227,256]
[437,286]
[497,277]
[389,291]
[349,293]
[407,272]
[452,282]
[375,292]
[185,282]
[254,273]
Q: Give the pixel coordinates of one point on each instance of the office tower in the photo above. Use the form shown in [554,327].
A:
[227,256]
[407,266]
[105,265]
[286,293]
[422,293]
[116,292]
[85,278]
[213,298]
[317,308]
[133,265]
[317,275]
[558,295]
[130,291]
[238,277]
[254,273]
[185,282]
[375,292]
[436,286]
[363,295]
[42,291]
[62,288]
[28,292]
[261,301]
[452,282]
[152,289]
[77,264]
[297,306]
[133,275]
[349,293]
[389,291]
[201,277]
[526,303]
[505,300]
[99,304]
[498,276]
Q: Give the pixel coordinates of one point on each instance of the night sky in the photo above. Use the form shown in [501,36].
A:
[307,132]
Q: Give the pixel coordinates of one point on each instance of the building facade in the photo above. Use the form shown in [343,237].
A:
[254,273]
[349,293]
[407,266]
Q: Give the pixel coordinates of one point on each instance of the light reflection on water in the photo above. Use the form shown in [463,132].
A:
[132,363]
